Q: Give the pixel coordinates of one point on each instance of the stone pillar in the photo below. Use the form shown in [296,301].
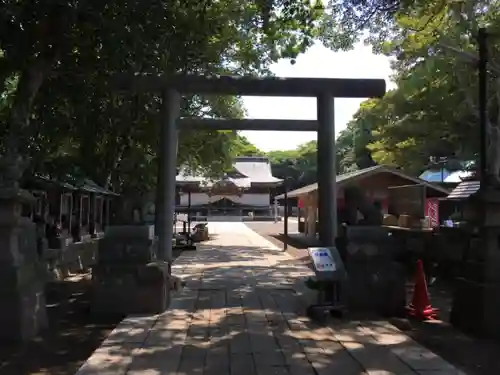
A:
[23,310]
[167,172]
[476,303]
[327,187]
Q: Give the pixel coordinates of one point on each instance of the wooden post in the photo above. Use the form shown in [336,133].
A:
[61,205]
[70,213]
[189,210]
[285,240]
[107,203]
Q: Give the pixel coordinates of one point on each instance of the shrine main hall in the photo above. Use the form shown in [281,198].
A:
[244,190]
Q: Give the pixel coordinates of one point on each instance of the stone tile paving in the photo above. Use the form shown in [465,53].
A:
[242,314]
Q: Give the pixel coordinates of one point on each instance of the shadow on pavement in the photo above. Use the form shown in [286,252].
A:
[255,332]
[72,335]
[241,314]
[475,356]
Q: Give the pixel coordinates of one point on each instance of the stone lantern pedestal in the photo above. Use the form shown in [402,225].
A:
[22,300]
[476,303]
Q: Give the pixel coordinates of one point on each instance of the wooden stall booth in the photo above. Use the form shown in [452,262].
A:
[375,183]
[414,207]
[412,218]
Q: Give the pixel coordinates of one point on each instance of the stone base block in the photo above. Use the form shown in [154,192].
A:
[131,289]
[130,231]
[126,250]
[73,258]
[476,308]
[23,312]
[376,288]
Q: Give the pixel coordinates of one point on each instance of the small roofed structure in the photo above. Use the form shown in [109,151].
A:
[375,183]
[461,204]
[458,177]
[465,190]
[244,189]
[70,216]
[77,207]
[435,175]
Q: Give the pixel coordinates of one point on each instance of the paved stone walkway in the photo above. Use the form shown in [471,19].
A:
[242,314]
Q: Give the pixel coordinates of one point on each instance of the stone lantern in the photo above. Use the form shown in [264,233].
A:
[23,312]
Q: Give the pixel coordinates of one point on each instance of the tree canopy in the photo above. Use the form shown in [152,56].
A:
[55,56]
[433,112]
[56,108]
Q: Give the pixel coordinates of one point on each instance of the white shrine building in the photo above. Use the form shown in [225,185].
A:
[245,190]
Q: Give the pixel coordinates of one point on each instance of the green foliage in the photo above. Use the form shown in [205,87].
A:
[434,110]
[242,147]
[56,108]
[298,165]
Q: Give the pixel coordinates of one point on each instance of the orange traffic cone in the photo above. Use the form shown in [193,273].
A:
[420,307]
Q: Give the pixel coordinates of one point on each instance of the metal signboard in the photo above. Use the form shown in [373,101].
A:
[322,259]
[327,263]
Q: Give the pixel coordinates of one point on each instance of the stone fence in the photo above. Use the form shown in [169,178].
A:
[70,258]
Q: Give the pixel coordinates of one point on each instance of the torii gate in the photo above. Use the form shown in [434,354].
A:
[325,90]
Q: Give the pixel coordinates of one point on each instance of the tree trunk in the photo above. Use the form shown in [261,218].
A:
[5,72]
[28,86]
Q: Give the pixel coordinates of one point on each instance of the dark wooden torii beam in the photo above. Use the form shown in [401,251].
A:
[250,86]
[248,124]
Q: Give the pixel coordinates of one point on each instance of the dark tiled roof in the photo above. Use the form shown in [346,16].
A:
[465,190]
[363,173]
[47,180]
[71,183]
[340,178]
[92,187]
